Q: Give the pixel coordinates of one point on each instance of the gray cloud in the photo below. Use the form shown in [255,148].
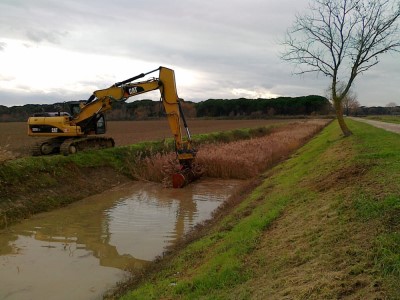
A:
[11,98]
[50,36]
[234,44]
[6,78]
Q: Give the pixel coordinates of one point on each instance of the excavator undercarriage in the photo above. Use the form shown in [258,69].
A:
[67,146]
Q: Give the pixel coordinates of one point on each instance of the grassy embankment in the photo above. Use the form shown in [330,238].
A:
[388,119]
[36,184]
[322,225]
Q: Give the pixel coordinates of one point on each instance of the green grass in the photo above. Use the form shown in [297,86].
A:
[388,119]
[358,177]
[367,207]
[381,201]
[388,256]
[233,135]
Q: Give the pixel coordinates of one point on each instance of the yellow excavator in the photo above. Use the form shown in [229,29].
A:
[80,129]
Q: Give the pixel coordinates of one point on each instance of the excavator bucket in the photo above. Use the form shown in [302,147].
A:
[178,180]
[186,175]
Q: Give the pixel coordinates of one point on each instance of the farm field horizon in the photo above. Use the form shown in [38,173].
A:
[14,137]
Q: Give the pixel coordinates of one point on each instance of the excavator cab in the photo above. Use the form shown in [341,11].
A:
[75,108]
[96,124]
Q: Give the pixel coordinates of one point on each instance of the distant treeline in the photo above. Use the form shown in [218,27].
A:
[306,105]
[375,110]
[148,109]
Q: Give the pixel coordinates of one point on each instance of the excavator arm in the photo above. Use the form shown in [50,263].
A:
[102,100]
[165,83]
[72,133]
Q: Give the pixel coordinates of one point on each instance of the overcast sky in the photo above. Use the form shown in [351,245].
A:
[54,51]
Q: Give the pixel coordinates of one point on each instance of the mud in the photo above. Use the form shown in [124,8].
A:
[81,251]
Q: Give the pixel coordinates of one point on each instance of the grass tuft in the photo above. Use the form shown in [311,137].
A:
[368,207]
[388,254]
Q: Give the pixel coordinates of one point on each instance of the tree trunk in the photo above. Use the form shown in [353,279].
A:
[339,115]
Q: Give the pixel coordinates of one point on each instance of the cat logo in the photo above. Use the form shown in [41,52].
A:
[134,90]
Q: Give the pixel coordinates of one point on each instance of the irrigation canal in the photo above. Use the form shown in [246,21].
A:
[82,250]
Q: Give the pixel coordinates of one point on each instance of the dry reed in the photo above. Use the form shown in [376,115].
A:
[6,154]
[247,158]
[241,159]
[151,168]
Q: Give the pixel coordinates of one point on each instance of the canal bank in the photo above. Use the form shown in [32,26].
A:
[36,184]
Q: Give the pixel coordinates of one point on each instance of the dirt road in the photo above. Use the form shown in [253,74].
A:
[387,126]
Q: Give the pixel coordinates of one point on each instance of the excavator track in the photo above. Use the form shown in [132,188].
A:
[46,147]
[74,145]
[70,145]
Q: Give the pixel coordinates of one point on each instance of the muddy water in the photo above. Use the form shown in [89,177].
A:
[80,251]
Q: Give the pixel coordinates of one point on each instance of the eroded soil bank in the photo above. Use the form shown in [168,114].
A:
[49,191]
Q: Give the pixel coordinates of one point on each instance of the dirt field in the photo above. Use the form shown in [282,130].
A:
[14,138]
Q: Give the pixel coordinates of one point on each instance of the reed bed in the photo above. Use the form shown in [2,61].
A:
[152,168]
[247,158]
[240,159]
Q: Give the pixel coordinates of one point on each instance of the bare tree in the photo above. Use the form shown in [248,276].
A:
[391,107]
[350,103]
[341,39]
[391,104]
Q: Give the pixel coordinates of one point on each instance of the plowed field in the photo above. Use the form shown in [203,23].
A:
[14,138]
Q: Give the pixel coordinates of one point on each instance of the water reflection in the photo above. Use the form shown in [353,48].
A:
[89,243]
[139,222]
